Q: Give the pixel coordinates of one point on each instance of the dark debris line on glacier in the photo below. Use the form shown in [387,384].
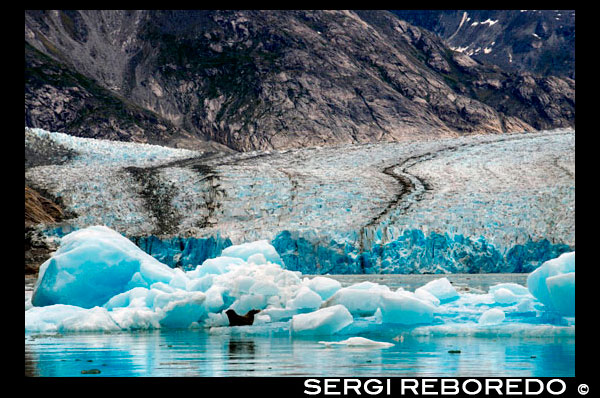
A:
[415,187]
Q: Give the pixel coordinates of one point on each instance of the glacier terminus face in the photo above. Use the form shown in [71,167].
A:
[480,203]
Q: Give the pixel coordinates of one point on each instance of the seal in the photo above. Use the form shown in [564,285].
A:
[241,320]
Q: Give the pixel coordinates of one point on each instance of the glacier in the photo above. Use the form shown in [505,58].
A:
[426,206]
[98,280]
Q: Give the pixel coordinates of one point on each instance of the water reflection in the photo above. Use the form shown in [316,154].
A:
[197,353]
[241,349]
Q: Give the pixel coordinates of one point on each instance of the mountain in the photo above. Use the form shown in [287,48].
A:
[258,80]
[541,41]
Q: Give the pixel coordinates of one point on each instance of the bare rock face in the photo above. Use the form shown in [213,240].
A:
[40,208]
[270,79]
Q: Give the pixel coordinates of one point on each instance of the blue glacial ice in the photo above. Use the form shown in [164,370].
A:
[553,283]
[98,280]
[333,210]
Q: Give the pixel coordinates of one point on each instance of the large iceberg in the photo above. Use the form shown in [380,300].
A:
[553,283]
[92,265]
[98,280]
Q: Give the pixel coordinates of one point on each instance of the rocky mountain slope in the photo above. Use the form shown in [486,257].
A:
[269,79]
[541,41]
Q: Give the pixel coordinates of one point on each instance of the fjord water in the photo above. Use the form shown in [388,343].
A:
[197,352]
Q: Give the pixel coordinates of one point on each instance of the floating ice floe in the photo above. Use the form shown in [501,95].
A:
[98,280]
[440,288]
[361,299]
[406,308]
[358,342]
[324,321]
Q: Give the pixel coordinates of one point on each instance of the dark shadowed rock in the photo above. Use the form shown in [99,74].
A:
[269,79]
[540,41]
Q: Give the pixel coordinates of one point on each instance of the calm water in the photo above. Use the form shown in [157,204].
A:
[198,353]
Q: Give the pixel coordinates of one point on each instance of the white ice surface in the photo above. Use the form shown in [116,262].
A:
[330,194]
[321,322]
[118,287]
[358,342]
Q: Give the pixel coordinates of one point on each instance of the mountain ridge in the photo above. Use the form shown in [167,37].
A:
[260,80]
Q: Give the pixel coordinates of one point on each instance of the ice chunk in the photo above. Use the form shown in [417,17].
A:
[321,322]
[266,288]
[246,250]
[305,299]
[505,296]
[248,302]
[134,318]
[201,284]
[537,281]
[514,288]
[163,287]
[258,259]
[261,319]
[358,342]
[359,302]
[242,284]
[323,286]
[179,280]
[509,293]
[136,297]
[137,280]
[214,299]
[562,293]
[405,308]
[425,295]
[91,266]
[68,318]
[279,314]
[181,313]
[215,266]
[214,319]
[370,286]
[492,316]
[442,289]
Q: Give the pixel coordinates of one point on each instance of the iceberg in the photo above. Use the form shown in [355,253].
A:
[246,250]
[323,286]
[553,286]
[562,293]
[305,299]
[441,288]
[322,322]
[358,342]
[62,317]
[360,299]
[406,308]
[100,281]
[91,266]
